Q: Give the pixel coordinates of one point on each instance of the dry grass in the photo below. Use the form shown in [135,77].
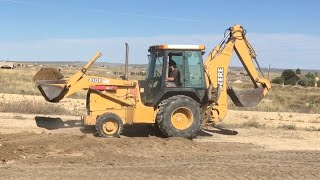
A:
[222,125]
[20,80]
[314,121]
[312,128]
[287,126]
[252,123]
[258,125]
[287,99]
[298,120]
[33,107]
[279,99]
[19,117]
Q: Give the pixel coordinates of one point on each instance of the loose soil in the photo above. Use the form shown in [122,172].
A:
[48,74]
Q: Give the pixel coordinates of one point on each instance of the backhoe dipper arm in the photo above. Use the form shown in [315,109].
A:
[246,55]
[216,69]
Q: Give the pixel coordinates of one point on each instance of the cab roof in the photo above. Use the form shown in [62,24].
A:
[181,47]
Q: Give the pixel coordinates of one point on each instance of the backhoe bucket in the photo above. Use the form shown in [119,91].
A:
[52,90]
[245,98]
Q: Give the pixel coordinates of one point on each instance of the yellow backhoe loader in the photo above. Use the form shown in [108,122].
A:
[201,95]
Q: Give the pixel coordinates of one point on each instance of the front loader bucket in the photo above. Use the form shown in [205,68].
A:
[52,90]
[245,98]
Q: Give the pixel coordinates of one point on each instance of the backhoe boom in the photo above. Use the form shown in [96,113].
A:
[216,68]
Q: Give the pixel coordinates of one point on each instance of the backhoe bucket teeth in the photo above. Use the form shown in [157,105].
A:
[245,98]
[52,90]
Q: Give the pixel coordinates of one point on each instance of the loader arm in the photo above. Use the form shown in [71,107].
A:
[216,69]
[76,77]
[55,90]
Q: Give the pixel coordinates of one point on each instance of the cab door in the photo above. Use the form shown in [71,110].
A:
[190,66]
[194,71]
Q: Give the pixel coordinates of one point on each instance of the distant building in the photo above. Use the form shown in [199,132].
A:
[6,65]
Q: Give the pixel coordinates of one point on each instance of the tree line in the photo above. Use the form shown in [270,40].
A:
[290,77]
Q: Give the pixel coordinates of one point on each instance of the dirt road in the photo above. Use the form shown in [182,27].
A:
[58,147]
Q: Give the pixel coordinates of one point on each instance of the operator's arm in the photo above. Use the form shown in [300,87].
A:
[170,79]
[173,75]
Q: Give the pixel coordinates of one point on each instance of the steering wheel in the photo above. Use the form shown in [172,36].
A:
[154,81]
[154,84]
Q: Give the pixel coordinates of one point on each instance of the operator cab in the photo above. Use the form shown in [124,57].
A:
[189,63]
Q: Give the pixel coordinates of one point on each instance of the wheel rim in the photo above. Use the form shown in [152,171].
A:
[110,127]
[182,118]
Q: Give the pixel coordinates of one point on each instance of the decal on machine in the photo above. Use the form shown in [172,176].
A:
[220,76]
[95,80]
[106,81]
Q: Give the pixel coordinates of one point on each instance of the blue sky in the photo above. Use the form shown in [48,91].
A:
[284,33]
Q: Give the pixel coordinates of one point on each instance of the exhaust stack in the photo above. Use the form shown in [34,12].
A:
[126,62]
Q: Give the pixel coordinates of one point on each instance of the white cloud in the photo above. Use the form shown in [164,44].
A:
[20,2]
[279,50]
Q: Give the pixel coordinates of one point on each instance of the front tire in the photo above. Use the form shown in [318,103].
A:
[109,125]
[179,116]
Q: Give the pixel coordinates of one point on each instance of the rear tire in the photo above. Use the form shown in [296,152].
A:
[109,125]
[179,116]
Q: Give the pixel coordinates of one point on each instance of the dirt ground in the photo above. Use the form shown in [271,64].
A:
[247,145]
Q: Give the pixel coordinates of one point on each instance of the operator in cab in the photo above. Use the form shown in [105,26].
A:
[173,79]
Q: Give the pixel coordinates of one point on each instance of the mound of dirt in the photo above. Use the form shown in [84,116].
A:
[48,74]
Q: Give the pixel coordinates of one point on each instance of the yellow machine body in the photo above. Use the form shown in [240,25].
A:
[123,101]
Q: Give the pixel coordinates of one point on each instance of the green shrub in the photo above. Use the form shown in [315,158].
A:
[298,71]
[287,74]
[277,80]
[290,77]
[303,82]
[308,80]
